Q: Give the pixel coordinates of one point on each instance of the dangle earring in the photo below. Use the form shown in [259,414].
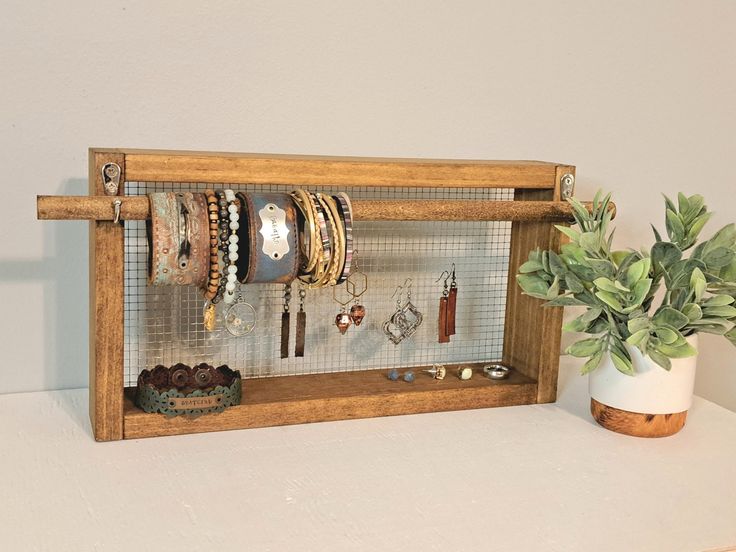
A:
[356,285]
[342,320]
[301,324]
[240,317]
[407,318]
[444,336]
[451,303]
[285,322]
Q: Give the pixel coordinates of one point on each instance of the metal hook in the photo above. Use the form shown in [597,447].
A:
[117,204]
[397,290]
[441,275]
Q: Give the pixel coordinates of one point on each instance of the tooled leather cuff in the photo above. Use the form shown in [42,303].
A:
[178,239]
[267,237]
[181,390]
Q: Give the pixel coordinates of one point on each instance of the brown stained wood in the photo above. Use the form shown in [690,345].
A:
[551,326]
[532,333]
[230,168]
[138,208]
[106,312]
[636,424]
[290,400]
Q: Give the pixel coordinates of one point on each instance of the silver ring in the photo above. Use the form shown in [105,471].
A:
[496,371]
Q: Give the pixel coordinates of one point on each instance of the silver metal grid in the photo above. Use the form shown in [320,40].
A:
[163,325]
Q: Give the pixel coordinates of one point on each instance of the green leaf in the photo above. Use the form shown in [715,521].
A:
[728,273]
[532,284]
[580,213]
[619,256]
[665,253]
[725,237]
[698,283]
[660,359]
[637,324]
[697,203]
[680,351]
[667,334]
[530,266]
[640,291]
[692,311]
[668,316]
[590,242]
[557,267]
[602,266]
[676,230]
[683,203]
[637,271]
[668,203]
[610,300]
[718,257]
[639,337]
[623,365]
[657,235]
[574,235]
[718,301]
[585,348]
[725,311]
[606,285]
[565,301]
[592,363]
[581,323]
[573,283]
[731,335]
[554,289]
[697,226]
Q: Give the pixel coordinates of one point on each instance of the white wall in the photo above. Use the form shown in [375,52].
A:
[639,95]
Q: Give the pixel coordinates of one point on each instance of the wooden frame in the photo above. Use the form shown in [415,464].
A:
[532,334]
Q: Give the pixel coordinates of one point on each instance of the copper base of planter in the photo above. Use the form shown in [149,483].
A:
[635,423]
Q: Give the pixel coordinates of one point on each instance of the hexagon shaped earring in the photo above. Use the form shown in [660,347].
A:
[356,285]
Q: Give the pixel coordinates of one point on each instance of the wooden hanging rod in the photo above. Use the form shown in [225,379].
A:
[138,208]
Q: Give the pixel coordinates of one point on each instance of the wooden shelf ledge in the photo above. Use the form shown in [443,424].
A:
[287,400]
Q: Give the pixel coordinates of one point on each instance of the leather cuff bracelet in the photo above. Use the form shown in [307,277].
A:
[178,239]
[268,239]
[181,390]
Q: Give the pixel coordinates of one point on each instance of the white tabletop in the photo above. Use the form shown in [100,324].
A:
[541,477]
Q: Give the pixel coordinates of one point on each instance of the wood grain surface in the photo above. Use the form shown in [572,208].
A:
[138,208]
[106,312]
[289,400]
[635,423]
[227,168]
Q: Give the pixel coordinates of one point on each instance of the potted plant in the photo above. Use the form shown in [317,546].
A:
[643,309]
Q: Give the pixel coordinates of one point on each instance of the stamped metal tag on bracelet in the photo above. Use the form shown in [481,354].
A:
[274,231]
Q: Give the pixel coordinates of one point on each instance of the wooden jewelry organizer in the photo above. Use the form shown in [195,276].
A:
[531,334]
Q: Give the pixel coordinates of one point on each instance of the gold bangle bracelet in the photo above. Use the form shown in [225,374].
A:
[305,207]
[338,239]
[339,255]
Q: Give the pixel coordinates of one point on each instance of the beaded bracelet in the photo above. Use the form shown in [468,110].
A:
[213,282]
[230,247]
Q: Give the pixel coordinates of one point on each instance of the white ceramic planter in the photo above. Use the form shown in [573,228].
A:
[652,390]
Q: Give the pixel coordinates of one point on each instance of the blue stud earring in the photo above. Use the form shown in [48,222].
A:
[409,376]
[393,375]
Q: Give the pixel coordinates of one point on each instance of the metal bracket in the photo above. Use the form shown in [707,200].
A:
[111,178]
[567,185]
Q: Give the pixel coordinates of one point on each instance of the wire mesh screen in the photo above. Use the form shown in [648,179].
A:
[163,324]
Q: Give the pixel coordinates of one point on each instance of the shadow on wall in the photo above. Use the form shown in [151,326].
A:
[62,271]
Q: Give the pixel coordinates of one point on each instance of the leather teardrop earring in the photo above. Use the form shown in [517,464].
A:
[451,303]
[443,335]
